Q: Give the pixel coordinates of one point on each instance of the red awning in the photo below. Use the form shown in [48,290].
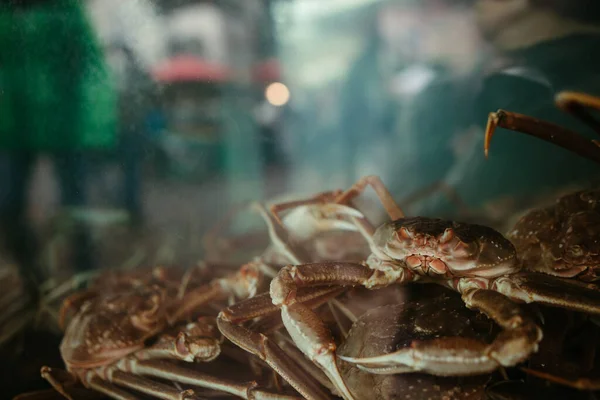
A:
[267,71]
[186,68]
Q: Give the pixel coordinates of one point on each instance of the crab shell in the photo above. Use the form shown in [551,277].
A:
[440,248]
[110,326]
[564,239]
[429,312]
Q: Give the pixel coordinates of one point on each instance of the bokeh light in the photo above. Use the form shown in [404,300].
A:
[277,94]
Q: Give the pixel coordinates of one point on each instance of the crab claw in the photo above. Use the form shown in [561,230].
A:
[314,340]
[494,119]
[328,217]
[544,130]
[442,357]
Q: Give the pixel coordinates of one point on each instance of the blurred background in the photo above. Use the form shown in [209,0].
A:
[129,128]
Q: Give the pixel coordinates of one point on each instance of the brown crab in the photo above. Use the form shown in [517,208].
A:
[299,231]
[428,312]
[561,239]
[474,260]
[131,327]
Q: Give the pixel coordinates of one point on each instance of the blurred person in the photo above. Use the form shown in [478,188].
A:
[538,48]
[136,99]
[135,37]
[368,106]
[55,99]
[408,51]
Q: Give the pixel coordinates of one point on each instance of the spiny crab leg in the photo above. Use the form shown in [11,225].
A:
[380,189]
[266,349]
[455,356]
[544,130]
[576,104]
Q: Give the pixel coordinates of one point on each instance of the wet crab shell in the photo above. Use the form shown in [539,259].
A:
[391,327]
[438,247]
[111,326]
[564,239]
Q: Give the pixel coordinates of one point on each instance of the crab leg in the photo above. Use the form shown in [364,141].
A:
[110,390]
[552,291]
[576,104]
[543,130]
[274,322]
[393,210]
[456,356]
[280,236]
[59,382]
[590,384]
[325,200]
[184,347]
[60,379]
[149,387]
[266,349]
[324,197]
[242,283]
[290,348]
[304,326]
[176,373]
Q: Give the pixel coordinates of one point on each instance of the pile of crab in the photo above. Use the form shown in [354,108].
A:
[416,308]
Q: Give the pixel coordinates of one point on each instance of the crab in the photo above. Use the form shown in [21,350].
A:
[428,311]
[560,239]
[298,230]
[498,213]
[566,361]
[474,260]
[128,328]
